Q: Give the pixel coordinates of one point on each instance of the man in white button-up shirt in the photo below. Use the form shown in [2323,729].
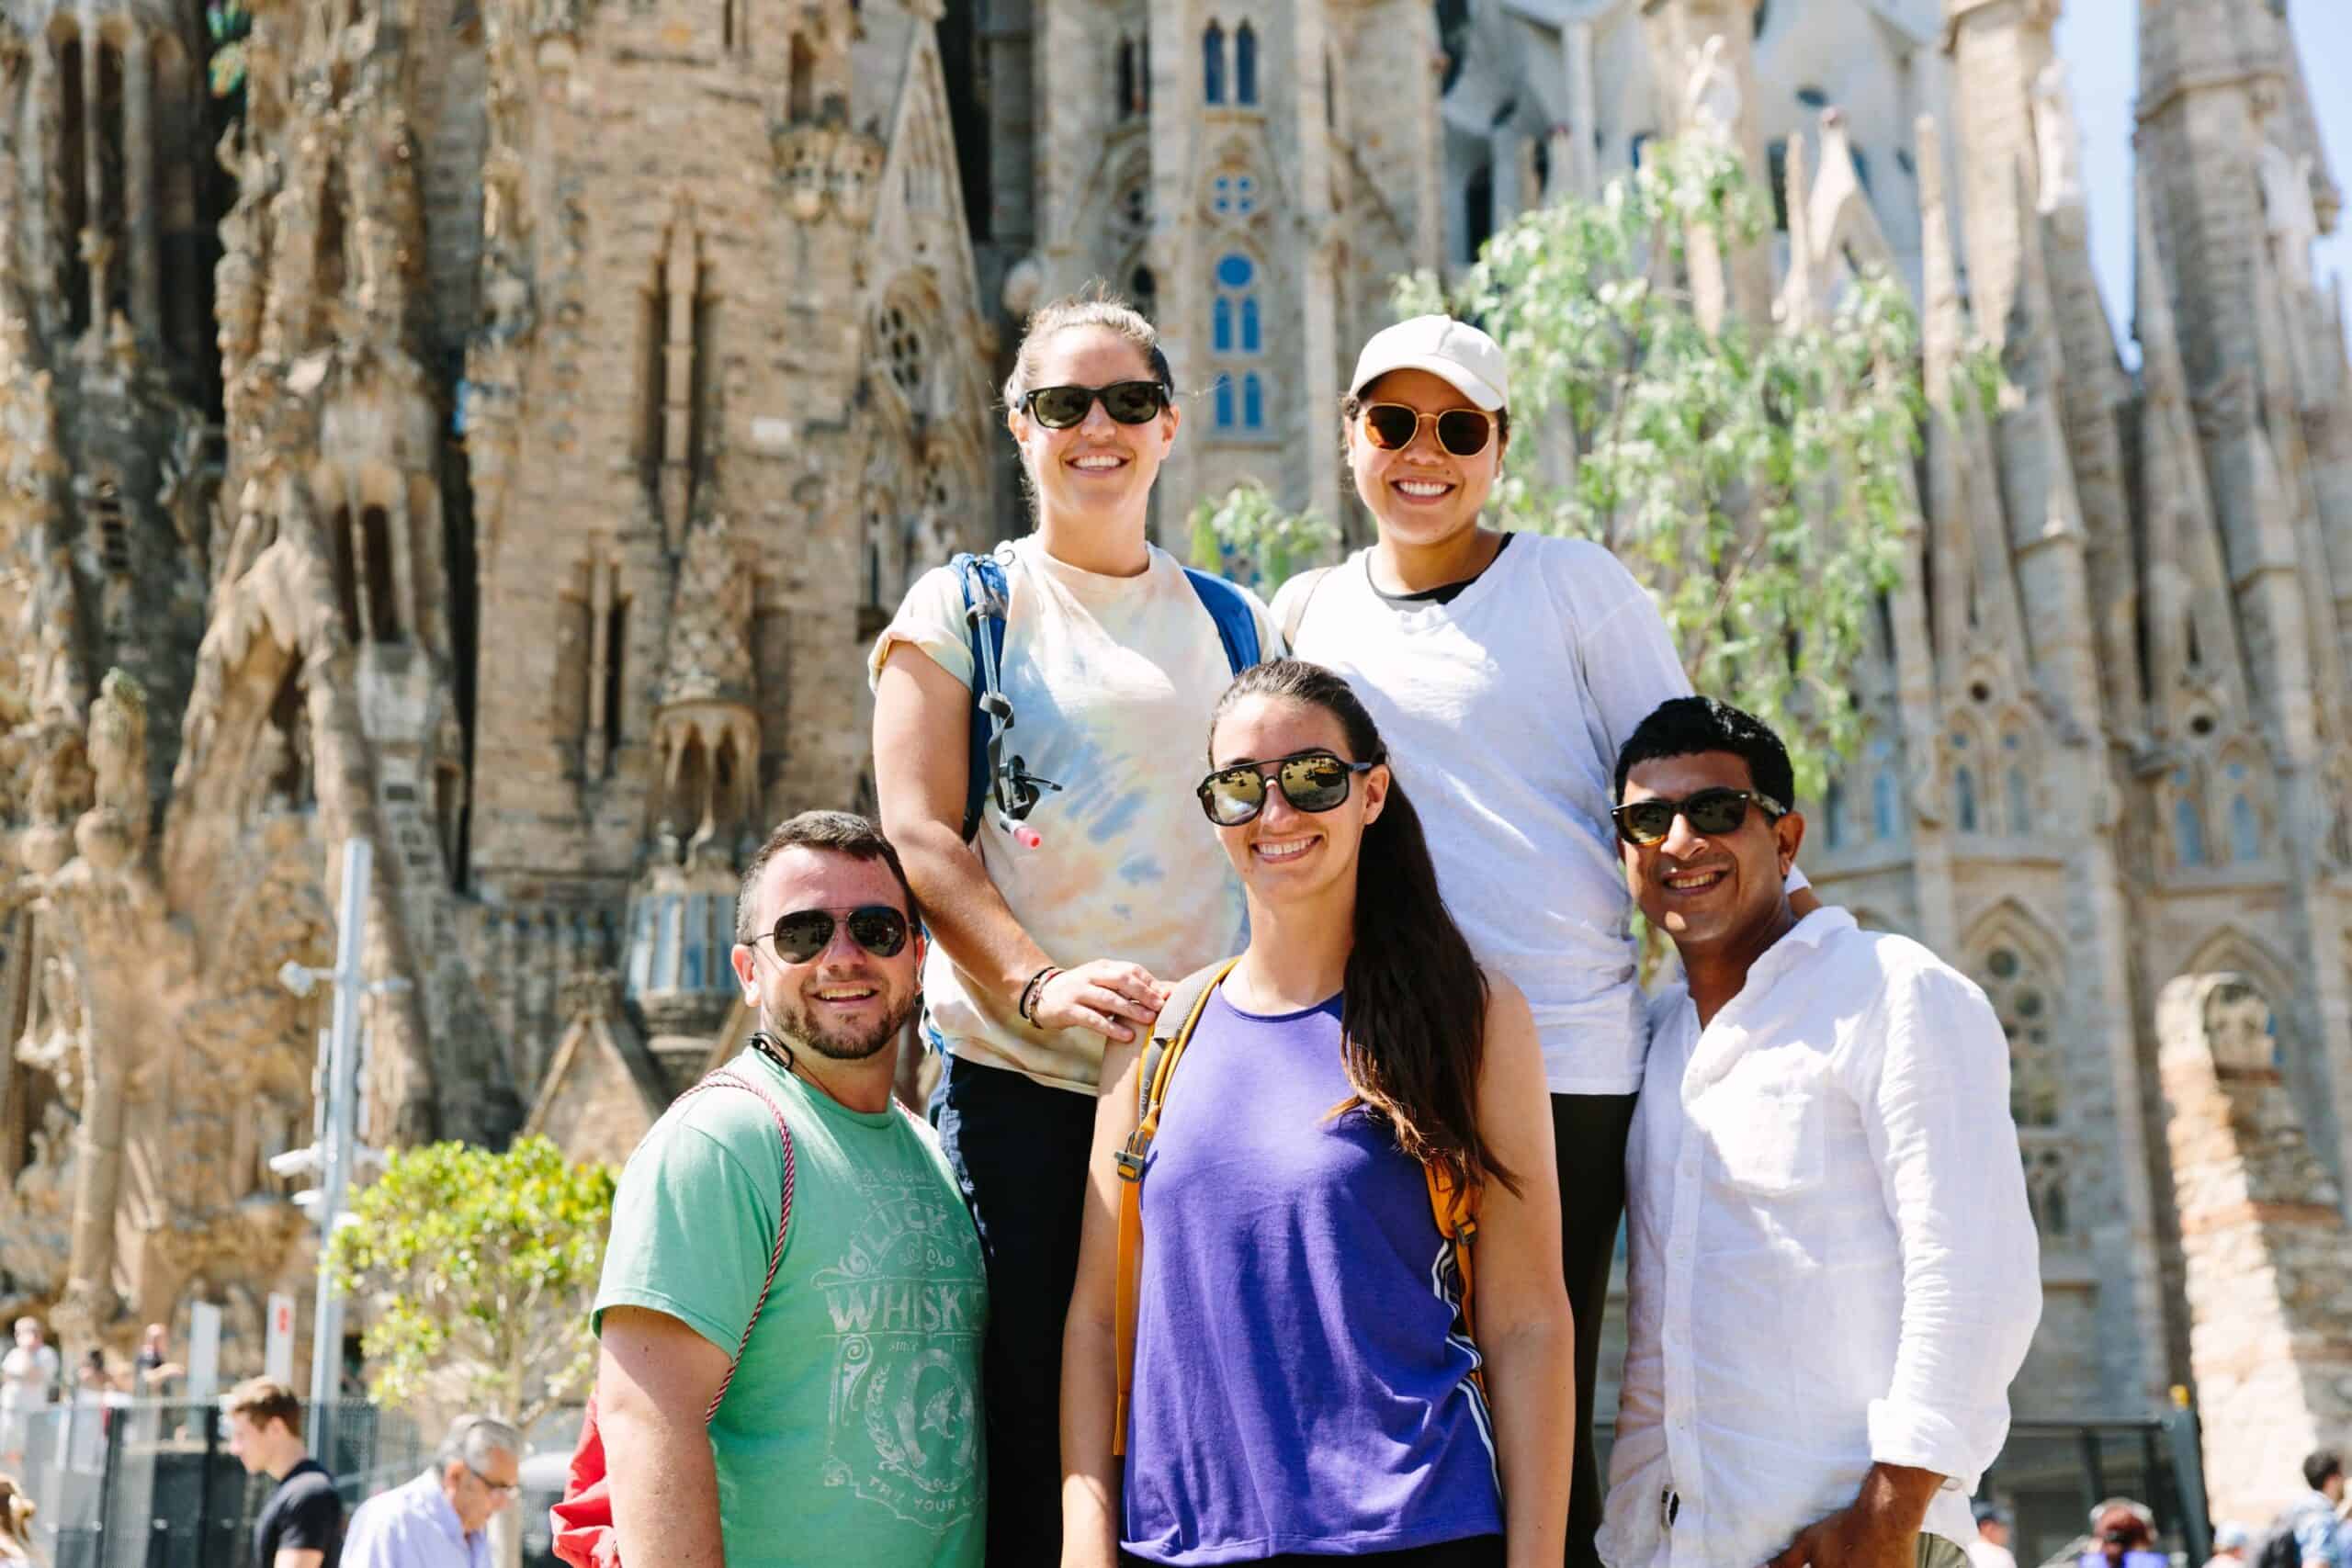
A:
[1833,1271]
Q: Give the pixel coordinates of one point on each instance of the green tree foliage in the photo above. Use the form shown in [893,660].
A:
[1247,537]
[1756,478]
[480,1268]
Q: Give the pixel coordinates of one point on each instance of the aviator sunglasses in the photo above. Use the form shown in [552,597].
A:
[1463,431]
[1311,781]
[1129,402]
[802,934]
[1710,813]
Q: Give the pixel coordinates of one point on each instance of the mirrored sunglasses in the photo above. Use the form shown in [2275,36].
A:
[802,934]
[1313,781]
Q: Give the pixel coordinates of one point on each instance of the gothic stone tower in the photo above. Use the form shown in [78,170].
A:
[1251,174]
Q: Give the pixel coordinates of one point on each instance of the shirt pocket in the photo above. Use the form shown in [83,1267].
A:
[1768,1135]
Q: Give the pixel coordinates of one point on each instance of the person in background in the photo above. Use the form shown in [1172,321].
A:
[2123,1535]
[2317,1517]
[441,1519]
[28,1379]
[301,1525]
[17,1525]
[1994,1533]
[152,1368]
[2230,1541]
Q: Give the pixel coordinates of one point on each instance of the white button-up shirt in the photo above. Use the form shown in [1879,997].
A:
[1831,1263]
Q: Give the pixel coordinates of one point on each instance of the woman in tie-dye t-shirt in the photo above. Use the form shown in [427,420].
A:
[1045,951]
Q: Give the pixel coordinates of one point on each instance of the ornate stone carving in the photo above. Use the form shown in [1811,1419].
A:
[1712,100]
[2289,211]
[709,657]
[2057,138]
[2237,1026]
[116,828]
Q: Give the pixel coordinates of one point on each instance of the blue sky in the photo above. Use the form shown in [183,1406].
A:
[2099,40]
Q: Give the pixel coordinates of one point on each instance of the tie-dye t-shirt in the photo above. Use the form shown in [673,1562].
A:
[1110,681]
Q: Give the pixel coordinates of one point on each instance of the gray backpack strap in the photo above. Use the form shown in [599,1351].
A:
[1310,581]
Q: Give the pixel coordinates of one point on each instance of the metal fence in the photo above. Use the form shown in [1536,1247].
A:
[151,1483]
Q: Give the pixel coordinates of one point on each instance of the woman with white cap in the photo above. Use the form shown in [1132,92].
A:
[1504,670]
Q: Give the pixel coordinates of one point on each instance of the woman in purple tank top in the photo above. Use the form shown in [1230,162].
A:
[1303,1382]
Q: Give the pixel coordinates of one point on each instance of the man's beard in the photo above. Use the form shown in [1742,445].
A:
[799,1030]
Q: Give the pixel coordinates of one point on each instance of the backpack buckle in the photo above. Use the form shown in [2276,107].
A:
[1130,1164]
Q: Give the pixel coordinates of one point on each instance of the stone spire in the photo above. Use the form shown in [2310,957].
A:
[2192,630]
[1999,50]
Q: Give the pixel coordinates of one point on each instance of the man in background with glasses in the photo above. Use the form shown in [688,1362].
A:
[1833,1275]
[808,1392]
[441,1519]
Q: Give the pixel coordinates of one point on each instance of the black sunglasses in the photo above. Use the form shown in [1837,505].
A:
[802,934]
[1463,431]
[1129,402]
[1311,781]
[1711,812]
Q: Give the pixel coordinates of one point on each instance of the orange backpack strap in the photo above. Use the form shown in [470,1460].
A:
[1455,1210]
[1170,1035]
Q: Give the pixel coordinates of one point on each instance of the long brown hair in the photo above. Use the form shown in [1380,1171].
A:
[15,1522]
[1414,1000]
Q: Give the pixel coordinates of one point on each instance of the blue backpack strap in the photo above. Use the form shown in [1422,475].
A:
[985,600]
[1236,626]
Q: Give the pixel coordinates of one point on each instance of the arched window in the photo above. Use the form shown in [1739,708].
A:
[1886,815]
[1963,789]
[1640,145]
[1213,64]
[2187,823]
[2019,792]
[1253,401]
[1143,293]
[1233,315]
[1126,84]
[1245,64]
[2026,1003]
[1225,407]
[1233,195]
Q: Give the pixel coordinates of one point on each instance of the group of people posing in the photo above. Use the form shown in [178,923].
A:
[1269,1194]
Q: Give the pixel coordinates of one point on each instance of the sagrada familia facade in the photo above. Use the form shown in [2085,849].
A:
[494,429]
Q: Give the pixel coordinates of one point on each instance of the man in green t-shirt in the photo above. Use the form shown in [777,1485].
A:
[850,1431]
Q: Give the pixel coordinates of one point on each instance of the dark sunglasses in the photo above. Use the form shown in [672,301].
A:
[1710,813]
[1311,781]
[1463,431]
[802,934]
[1129,402]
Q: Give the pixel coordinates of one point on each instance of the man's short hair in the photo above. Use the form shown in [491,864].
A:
[843,832]
[1684,726]
[2322,1463]
[2142,1515]
[473,1438]
[263,1400]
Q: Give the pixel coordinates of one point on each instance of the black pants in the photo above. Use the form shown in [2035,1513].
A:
[1472,1551]
[1588,1134]
[1019,1150]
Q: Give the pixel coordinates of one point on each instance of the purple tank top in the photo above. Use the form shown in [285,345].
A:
[1301,1382]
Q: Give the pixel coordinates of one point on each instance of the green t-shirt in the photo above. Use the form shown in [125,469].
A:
[852,1431]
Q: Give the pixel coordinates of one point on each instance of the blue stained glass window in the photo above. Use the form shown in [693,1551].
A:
[694,947]
[1221,193]
[1965,792]
[2246,829]
[1235,271]
[1213,64]
[1244,66]
[1245,195]
[1250,342]
[1253,401]
[1221,329]
[1225,402]
[1885,819]
[2188,832]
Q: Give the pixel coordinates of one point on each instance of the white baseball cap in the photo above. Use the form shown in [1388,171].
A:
[1465,358]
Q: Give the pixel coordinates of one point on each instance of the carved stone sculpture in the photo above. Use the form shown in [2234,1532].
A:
[2292,219]
[1712,100]
[2057,138]
[2237,1026]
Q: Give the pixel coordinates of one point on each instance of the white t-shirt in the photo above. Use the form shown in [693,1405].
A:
[1503,711]
[1110,681]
